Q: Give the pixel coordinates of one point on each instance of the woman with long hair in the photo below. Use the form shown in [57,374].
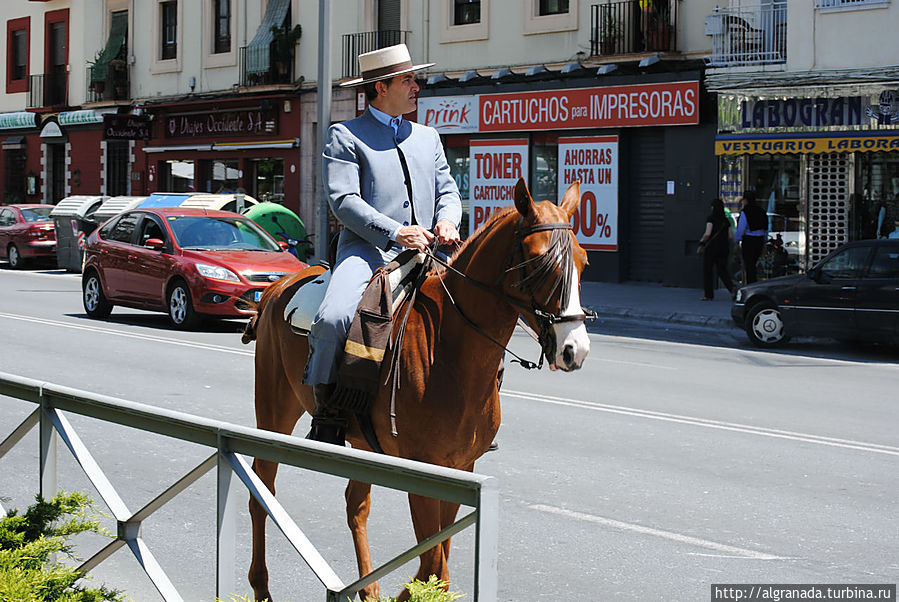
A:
[715,247]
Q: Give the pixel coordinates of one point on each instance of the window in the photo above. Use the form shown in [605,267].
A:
[222,27]
[124,228]
[169,20]
[849,263]
[20,54]
[150,229]
[17,40]
[7,217]
[15,176]
[268,179]
[466,12]
[552,7]
[851,3]
[459,157]
[886,263]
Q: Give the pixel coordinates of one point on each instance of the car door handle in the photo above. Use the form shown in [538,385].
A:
[849,288]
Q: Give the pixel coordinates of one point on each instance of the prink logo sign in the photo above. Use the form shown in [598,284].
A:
[449,114]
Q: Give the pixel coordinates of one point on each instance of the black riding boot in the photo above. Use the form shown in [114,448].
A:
[327,425]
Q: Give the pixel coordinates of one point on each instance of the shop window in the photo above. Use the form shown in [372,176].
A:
[225,176]
[268,180]
[178,176]
[552,7]
[169,29]
[874,210]
[544,183]
[459,160]
[117,164]
[222,27]
[775,180]
[14,161]
[466,12]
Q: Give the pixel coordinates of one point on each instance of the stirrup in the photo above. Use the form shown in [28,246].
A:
[328,429]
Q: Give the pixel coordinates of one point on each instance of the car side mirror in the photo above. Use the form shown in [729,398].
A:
[284,246]
[157,244]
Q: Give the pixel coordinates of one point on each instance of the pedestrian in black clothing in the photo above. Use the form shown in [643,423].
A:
[752,234]
[715,245]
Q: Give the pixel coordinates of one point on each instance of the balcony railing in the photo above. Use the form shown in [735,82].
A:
[751,33]
[633,26]
[116,85]
[355,44]
[48,90]
[280,71]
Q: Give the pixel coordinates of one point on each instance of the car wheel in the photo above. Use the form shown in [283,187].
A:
[14,257]
[181,307]
[765,325]
[95,302]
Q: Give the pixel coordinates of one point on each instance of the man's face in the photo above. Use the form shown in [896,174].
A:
[399,96]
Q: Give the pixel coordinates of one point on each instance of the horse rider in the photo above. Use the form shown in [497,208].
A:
[389,184]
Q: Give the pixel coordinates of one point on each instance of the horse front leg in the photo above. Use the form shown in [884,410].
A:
[426,520]
[258,575]
[358,507]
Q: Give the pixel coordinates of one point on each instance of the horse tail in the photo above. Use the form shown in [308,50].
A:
[249,332]
[274,292]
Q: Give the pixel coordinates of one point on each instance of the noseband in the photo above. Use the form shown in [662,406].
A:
[534,273]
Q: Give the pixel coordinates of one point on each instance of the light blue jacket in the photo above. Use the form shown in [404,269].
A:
[366,186]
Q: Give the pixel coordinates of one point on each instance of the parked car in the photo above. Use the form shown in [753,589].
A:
[852,294]
[189,263]
[26,232]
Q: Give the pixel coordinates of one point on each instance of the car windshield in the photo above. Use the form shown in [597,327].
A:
[37,214]
[220,233]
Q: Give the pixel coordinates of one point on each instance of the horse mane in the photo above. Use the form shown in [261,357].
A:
[495,217]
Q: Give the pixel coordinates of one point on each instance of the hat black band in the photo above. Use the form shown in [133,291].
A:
[382,71]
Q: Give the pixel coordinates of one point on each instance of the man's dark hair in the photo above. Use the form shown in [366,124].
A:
[371,92]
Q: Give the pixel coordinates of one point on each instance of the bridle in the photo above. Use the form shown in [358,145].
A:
[560,251]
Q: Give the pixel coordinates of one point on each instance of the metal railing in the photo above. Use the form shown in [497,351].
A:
[355,44]
[48,90]
[633,26]
[748,33]
[281,70]
[227,441]
[116,86]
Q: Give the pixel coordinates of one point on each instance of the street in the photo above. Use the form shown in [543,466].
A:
[673,460]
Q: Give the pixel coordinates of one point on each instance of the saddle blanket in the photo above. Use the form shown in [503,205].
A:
[301,309]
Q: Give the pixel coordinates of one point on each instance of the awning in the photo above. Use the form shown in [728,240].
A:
[86,116]
[21,119]
[14,143]
[224,146]
[118,31]
[258,57]
[818,142]
[187,147]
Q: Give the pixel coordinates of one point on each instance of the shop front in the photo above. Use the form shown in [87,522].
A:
[19,183]
[249,146]
[824,164]
[633,146]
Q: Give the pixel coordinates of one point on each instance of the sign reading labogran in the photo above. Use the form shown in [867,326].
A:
[241,122]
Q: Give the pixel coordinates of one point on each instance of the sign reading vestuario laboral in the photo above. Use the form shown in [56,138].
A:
[449,114]
[495,166]
[226,123]
[594,161]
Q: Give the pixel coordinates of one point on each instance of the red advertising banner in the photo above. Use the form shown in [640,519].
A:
[673,103]
[495,168]
[593,161]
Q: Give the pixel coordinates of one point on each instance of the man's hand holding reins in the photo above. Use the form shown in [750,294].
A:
[414,237]
[446,233]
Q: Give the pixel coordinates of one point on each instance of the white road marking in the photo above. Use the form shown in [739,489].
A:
[714,424]
[127,335]
[669,535]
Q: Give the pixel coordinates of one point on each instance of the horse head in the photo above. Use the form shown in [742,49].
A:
[545,278]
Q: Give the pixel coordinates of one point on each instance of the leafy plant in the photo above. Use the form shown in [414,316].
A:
[284,39]
[26,543]
[432,590]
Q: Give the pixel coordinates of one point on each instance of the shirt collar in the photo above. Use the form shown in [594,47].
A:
[382,116]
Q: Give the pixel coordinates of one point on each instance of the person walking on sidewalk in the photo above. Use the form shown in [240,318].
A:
[752,234]
[388,182]
[715,248]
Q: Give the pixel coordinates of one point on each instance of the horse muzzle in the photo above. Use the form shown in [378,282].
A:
[571,346]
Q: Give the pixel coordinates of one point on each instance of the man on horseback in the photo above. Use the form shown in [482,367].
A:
[389,184]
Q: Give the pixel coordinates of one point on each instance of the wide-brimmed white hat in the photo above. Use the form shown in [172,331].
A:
[384,63]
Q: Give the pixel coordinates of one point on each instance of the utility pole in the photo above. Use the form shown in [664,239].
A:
[324,122]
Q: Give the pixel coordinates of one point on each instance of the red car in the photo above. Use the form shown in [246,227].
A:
[189,263]
[26,232]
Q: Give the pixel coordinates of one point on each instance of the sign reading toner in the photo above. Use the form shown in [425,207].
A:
[674,103]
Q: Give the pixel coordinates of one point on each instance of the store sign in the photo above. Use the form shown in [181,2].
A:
[594,162]
[228,123]
[495,166]
[126,127]
[449,114]
[674,103]
[748,144]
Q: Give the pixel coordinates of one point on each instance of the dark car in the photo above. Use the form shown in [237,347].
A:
[26,232]
[188,263]
[852,294]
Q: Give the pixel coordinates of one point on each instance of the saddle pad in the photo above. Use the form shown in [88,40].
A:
[301,309]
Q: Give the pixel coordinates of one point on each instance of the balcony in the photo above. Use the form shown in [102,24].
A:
[116,85]
[355,44]
[48,90]
[751,33]
[279,70]
[633,26]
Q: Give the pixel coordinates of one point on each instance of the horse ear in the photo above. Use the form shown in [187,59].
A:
[572,198]
[523,201]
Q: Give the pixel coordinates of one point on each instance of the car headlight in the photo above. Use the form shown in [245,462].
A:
[216,273]
[739,297]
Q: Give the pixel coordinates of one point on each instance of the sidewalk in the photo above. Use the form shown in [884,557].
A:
[653,302]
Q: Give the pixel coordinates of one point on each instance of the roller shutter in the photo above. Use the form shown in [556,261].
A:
[646,206]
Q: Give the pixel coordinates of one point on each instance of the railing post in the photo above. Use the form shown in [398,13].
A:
[227,492]
[486,541]
[48,444]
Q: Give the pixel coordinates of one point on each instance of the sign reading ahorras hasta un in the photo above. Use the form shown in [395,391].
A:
[225,123]
[593,161]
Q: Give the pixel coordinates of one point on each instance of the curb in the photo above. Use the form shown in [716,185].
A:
[686,319]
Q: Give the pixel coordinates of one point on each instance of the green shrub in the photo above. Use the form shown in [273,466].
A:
[432,590]
[26,543]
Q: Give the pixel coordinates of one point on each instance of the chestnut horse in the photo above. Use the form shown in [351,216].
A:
[523,261]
